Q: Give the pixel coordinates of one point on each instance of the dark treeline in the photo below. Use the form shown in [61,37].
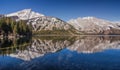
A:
[8,46]
[8,26]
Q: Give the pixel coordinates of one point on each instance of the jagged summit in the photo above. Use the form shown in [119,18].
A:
[25,14]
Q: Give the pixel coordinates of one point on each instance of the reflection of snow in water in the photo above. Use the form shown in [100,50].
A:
[36,56]
[94,44]
[84,45]
[39,48]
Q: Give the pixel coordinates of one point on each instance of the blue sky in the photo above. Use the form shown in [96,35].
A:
[66,9]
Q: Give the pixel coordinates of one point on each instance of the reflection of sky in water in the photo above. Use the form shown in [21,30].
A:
[9,63]
[67,60]
[61,53]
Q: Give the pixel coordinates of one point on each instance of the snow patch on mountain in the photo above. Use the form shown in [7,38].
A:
[92,24]
[25,14]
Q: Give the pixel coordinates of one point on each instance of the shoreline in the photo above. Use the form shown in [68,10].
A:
[13,37]
[76,35]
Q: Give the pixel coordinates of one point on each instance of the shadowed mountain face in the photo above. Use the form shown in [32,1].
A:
[39,46]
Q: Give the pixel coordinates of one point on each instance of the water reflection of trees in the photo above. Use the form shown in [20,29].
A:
[8,46]
[42,45]
[39,45]
[29,48]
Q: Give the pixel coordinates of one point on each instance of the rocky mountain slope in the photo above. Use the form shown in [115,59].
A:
[48,23]
[92,25]
[43,24]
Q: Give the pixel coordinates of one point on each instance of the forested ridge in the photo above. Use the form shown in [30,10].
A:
[10,27]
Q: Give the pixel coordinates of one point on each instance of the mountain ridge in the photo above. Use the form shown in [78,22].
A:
[85,25]
[42,24]
[92,25]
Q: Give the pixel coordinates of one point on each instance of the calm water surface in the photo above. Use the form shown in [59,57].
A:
[60,53]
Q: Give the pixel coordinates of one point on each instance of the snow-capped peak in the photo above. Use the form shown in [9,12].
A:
[88,18]
[92,20]
[25,14]
[92,24]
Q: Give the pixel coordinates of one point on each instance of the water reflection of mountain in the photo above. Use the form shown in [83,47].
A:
[43,45]
[90,44]
[40,46]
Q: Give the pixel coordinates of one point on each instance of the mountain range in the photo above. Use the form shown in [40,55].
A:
[92,25]
[43,25]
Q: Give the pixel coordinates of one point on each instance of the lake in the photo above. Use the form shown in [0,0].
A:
[60,53]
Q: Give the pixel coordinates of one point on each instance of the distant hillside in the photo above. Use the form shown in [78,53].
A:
[92,25]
